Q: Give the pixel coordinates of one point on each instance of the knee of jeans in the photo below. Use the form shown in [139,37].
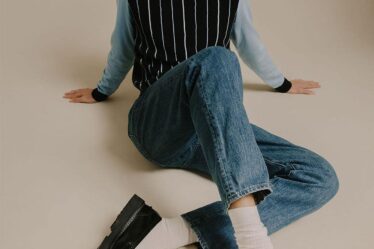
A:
[328,179]
[331,181]
[218,59]
[219,70]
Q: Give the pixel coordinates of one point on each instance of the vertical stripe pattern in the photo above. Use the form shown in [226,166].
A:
[170,31]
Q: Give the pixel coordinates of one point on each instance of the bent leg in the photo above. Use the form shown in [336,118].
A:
[199,102]
[302,182]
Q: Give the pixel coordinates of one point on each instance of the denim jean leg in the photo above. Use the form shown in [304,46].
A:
[302,182]
[212,226]
[162,128]
[202,99]
[199,102]
[215,93]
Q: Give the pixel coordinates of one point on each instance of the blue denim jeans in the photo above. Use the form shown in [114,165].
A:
[193,118]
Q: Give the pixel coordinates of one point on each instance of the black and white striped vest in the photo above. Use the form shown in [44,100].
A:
[169,31]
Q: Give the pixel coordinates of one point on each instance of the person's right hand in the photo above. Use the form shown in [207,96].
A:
[83,95]
[300,86]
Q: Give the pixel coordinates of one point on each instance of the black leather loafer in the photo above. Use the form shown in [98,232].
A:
[134,222]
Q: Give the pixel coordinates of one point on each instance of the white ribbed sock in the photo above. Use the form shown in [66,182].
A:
[169,233]
[250,232]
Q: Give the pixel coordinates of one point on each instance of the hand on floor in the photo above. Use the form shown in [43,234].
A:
[300,86]
[83,95]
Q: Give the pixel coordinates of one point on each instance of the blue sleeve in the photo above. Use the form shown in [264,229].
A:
[121,55]
[250,48]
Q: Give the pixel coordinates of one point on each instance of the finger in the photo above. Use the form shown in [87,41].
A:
[308,92]
[312,84]
[76,100]
[71,95]
[75,91]
[83,99]
[306,83]
[300,90]
[75,95]
[70,92]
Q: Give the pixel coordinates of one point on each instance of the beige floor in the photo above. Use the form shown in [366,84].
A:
[67,169]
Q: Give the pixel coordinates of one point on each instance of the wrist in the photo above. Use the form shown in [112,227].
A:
[98,96]
[285,87]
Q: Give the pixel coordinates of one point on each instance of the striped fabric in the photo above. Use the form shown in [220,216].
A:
[169,31]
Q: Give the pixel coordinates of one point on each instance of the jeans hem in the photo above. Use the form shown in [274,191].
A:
[254,188]
[194,227]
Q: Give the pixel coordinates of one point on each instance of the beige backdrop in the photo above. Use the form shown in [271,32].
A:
[68,169]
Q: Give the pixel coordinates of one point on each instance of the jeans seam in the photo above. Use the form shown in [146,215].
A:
[200,238]
[193,224]
[222,169]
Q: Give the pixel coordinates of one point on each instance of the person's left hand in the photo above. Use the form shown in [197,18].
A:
[83,95]
[300,86]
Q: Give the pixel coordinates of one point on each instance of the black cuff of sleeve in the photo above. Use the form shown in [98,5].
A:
[98,96]
[284,87]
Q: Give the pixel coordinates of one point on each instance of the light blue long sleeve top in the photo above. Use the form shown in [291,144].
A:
[243,35]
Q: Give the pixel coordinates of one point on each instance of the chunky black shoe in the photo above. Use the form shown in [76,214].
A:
[134,222]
